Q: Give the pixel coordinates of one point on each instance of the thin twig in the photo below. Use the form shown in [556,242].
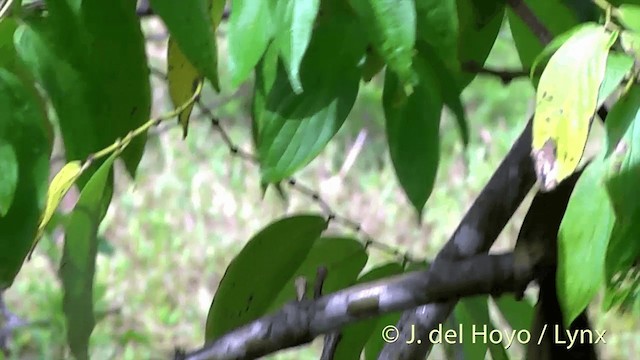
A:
[506,76]
[525,13]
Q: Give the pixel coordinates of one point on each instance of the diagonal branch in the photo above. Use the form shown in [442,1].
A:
[476,233]
[299,322]
[484,221]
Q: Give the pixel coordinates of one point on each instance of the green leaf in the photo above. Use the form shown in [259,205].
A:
[255,277]
[78,264]
[630,42]
[249,33]
[343,258]
[475,312]
[449,83]
[437,24]
[479,28]
[618,67]
[292,129]
[24,127]
[566,100]
[465,321]
[412,125]
[97,79]
[295,21]
[190,26]
[623,139]
[391,26]
[355,336]
[554,15]
[9,171]
[582,241]
[518,313]
[629,16]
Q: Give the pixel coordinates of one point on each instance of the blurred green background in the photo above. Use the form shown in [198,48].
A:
[169,235]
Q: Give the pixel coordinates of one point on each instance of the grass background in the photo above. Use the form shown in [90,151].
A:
[169,235]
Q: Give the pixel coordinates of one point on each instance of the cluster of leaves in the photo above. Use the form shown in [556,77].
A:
[597,239]
[308,58]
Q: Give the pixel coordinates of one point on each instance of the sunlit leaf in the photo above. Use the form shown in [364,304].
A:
[582,241]
[566,101]
[295,20]
[391,25]
[78,263]
[258,273]
[629,16]
[630,42]
[60,185]
[249,32]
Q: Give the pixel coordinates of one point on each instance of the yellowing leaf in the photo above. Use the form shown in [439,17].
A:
[566,100]
[58,188]
[183,80]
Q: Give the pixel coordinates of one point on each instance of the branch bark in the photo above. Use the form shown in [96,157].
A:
[482,224]
[299,322]
[476,233]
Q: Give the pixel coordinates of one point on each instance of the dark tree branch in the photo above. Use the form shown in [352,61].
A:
[481,225]
[506,76]
[332,339]
[299,322]
[476,233]
[524,12]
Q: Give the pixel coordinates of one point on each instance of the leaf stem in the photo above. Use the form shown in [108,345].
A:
[603,4]
[121,144]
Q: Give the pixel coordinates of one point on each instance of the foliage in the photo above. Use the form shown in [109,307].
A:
[78,73]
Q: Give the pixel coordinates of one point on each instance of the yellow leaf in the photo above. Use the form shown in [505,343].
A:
[566,101]
[58,188]
[183,79]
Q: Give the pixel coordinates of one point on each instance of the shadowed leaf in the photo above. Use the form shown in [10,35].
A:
[258,273]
